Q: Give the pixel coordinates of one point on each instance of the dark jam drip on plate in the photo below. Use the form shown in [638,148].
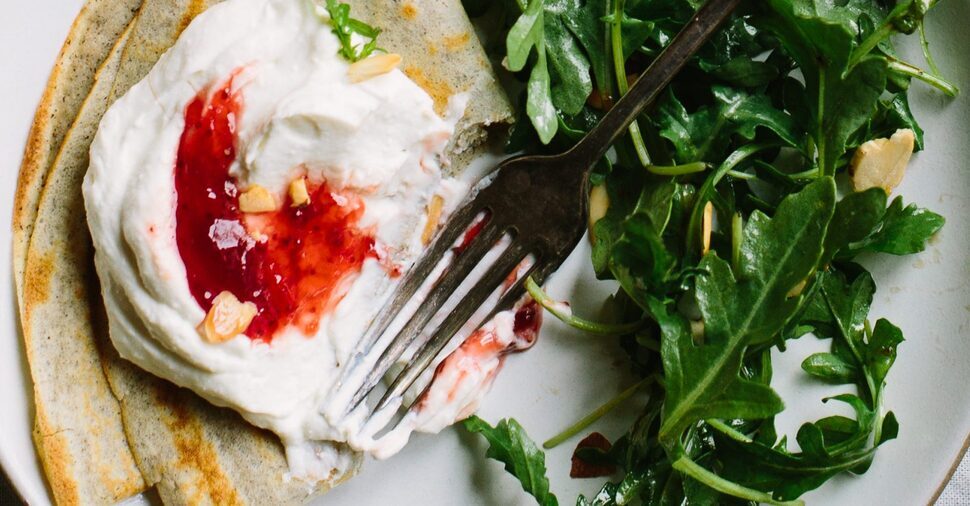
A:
[296,270]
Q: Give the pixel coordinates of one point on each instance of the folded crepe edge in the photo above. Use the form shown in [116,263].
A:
[90,39]
[67,452]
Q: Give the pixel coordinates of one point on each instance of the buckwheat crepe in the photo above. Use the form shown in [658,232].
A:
[104,429]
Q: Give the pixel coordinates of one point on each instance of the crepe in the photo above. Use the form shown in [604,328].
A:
[92,36]
[77,426]
[85,393]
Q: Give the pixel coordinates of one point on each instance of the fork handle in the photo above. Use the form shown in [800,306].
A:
[658,75]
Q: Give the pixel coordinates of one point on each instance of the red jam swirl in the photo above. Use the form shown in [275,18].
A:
[298,269]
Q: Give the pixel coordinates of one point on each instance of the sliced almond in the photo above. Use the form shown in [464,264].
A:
[599,203]
[882,162]
[257,199]
[797,289]
[227,318]
[707,226]
[299,196]
[372,67]
[434,216]
[697,331]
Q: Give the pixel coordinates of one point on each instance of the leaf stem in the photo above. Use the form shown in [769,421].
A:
[908,69]
[564,315]
[870,42]
[741,175]
[820,140]
[737,234]
[687,466]
[596,414]
[925,44]
[619,67]
[728,431]
[805,174]
[678,170]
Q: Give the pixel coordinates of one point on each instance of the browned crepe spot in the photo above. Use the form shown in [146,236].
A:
[195,8]
[194,450]
[456,42]
[409,11]
[440,91]
[37,281]
[52,448]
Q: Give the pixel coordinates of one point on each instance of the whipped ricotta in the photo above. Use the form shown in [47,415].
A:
[378,144]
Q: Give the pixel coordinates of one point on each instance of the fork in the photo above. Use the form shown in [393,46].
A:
[540,202]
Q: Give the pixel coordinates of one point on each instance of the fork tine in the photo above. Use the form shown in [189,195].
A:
[454,275]
[477,296]
[413,278]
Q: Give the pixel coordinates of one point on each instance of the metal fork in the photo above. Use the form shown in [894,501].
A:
[539,201]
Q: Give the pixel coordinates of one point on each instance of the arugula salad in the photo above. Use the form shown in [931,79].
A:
[731,216]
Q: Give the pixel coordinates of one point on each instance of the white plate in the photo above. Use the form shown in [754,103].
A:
[567,374]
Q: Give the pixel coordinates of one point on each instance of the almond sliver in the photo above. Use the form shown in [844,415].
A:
[299,196]
[372,67]
[257,199]
[434,216]
[227,318]
[707,226]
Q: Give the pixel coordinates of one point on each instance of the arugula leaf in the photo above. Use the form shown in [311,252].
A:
[509,444]
[345,27]
[786,475]
[862,222]
[706,134]
[841,98]
[904,230]
[855,217]
[567,84]
[829,367]
[741,309]
[855,98]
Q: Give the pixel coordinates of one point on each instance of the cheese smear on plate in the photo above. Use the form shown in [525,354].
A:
[247,174]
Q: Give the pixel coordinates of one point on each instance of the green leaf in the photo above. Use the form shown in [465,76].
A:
[856,216]
[585,22]
[524,35]
[559,79]
[786,475]
[846,105]
[820,37]
[881,349]
[345,27]
[829,367]
[814,41]
[749,308]
[904,230]
[509,444]
[707,133]
[539,106]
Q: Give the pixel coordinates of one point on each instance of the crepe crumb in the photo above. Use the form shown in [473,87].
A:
[227,318]
[299,196]
[434,216]
[257,199]
[372,67]
[882,162]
